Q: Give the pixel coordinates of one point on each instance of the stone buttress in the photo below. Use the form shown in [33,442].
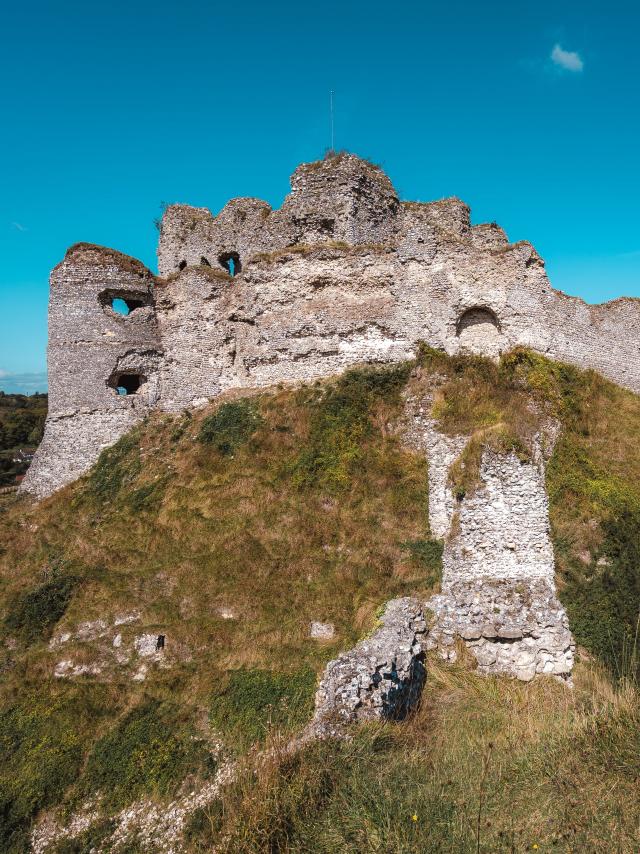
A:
[498,584]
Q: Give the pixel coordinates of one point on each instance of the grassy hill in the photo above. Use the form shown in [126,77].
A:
[228,531]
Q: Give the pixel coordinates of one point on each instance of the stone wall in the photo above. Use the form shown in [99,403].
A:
[342,273]
[498,582]
[91,347]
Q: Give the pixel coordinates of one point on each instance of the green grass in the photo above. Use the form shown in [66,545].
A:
[341,423]
[485,764]
[183,519]
[254,701]
[593,478]
[148,752]
[32,615]
[231,530]
[230,426]
[43,739]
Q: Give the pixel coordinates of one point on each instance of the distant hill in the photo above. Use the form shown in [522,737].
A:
[22,420]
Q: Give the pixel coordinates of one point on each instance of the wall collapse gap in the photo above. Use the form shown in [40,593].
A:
[231,262]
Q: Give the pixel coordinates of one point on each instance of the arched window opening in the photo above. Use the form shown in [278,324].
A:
[125,306]
[128,383]
[231,262]
[182,265]
[204,261]
[478,331]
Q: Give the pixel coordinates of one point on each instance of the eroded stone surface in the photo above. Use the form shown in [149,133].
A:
[381,677]
[503,526]
[343,273]
[322,631]
[513,628]
[498,589]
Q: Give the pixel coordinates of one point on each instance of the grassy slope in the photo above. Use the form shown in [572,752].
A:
[297,506]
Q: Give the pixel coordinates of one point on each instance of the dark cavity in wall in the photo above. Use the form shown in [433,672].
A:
[182,265]
[231,262]
[126,383]
[204,261]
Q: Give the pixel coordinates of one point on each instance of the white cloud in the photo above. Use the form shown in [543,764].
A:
[570,60]
[23,383]
[18,226]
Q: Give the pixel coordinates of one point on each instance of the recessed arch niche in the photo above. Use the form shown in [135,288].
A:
[479,331]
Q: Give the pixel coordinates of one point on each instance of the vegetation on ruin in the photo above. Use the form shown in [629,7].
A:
[485,764]
[229,530]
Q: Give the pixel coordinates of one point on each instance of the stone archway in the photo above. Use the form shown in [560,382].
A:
[478,331]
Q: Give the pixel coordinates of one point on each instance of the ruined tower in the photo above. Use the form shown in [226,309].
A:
[343,273]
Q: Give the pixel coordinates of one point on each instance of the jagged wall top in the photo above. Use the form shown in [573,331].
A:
[341,198]
[342,273]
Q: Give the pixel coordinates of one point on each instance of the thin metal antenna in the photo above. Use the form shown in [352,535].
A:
[331,112]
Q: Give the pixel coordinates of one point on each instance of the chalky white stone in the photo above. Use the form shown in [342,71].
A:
[322,631]
[342,273]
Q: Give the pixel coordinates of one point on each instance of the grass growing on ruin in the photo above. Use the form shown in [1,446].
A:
[593,477]
[485,764]
[253,702]
[151,747]
[230,529]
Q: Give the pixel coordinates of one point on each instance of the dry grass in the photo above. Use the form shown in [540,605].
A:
[485,764]
[309,517]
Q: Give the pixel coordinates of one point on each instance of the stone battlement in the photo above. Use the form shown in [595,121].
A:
[343,273]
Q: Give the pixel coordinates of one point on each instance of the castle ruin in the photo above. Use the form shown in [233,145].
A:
[343,273]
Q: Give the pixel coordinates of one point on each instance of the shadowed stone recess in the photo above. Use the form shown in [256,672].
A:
[381,677]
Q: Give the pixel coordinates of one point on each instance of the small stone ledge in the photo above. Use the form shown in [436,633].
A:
[380,678]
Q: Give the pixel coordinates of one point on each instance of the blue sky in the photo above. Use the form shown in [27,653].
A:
[530,112]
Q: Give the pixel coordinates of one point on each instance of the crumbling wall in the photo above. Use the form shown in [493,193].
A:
[498,591]
[341,199]
[198,337]
[342,273]
[380,678]
[91,347]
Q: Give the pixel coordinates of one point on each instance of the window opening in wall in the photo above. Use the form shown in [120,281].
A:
[231,262]
[128,383]
[204,261]
[182,265]
[125,306]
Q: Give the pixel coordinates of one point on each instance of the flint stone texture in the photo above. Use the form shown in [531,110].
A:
[381,677]
[343,273]
[322,631]
[503,526]
[513,628]
[498,589]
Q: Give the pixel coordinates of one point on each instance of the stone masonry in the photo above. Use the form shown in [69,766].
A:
[498,582]
[342,273]
[379,678]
